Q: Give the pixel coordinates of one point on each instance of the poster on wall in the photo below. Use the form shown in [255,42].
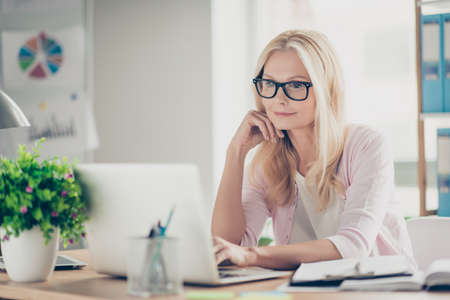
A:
[59,118]
[42,59]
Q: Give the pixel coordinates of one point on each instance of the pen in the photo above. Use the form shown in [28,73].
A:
[158,233]
[154,232]
[163,229]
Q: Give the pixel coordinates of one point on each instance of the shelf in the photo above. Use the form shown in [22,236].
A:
[436,3]
[425,8]
[432,7]
[434,115]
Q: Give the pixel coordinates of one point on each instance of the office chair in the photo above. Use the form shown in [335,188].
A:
[430,238]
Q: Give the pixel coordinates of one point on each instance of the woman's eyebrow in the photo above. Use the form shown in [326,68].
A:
[292,77]
[298,76]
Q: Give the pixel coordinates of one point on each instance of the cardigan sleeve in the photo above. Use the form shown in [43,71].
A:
[367,197]
[255,209]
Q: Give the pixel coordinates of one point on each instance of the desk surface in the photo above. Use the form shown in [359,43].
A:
[87,284]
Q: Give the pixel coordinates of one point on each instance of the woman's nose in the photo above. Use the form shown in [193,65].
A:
[281,98]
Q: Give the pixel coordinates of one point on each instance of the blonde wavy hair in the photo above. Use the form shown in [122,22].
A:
[279,161]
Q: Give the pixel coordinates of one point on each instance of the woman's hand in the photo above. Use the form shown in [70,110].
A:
[255,128]
[224,250]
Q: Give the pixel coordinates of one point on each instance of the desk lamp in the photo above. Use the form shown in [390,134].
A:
[10,114]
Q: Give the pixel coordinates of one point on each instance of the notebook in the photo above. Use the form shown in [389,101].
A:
[435,277]
[334,272]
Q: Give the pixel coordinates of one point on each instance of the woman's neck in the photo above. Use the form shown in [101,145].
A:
[304,144]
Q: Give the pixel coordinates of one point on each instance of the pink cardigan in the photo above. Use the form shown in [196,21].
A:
[370,223]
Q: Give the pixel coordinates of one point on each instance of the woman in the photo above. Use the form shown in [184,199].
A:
[327,185]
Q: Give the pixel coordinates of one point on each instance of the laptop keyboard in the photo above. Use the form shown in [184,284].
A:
[228,275]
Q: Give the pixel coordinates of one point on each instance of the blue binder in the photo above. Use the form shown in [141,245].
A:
[443,171]
[432,63]
[445,58]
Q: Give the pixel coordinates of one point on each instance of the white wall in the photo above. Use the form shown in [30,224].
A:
[152,66]
[233,63]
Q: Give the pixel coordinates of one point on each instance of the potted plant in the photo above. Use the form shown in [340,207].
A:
[40,201]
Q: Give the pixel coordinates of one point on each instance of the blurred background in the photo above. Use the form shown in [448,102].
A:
[170,80]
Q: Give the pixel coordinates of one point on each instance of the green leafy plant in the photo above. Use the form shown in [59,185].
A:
[264,241]
[44,194]
[266,237]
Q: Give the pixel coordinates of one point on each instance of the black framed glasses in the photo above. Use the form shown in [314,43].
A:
[294,90]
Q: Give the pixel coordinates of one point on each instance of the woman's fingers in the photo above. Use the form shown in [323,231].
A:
[255,121]
[218,248]
[261,125]
[269,126]
[226,251]
[279,133]
[218,244]
[276,133]
[218,240]
[222,255]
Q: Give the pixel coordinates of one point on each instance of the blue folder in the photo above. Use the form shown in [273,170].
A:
[445,58]
[432,63]
[443,171]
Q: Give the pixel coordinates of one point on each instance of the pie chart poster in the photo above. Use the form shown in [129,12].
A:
[43,59]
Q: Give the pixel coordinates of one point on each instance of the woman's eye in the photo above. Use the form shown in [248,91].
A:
[268,83]
[296,84]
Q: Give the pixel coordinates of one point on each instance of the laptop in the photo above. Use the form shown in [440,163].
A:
[125,200]
[63,262]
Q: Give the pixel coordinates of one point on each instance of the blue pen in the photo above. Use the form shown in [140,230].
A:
[157,251]
[163,229]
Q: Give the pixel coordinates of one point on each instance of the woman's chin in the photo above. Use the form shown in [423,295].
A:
[284,126]
[281,126]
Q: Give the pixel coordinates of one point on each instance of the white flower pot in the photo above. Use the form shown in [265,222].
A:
[27,258]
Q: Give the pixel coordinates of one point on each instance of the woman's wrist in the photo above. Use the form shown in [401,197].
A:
[252,256]
[235,151]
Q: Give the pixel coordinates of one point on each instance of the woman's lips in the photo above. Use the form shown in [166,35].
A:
[283,114]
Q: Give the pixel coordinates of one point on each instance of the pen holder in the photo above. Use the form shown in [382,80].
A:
[153,267]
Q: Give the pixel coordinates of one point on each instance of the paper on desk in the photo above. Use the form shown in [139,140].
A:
[320,270]
[396,283]
[351,267]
